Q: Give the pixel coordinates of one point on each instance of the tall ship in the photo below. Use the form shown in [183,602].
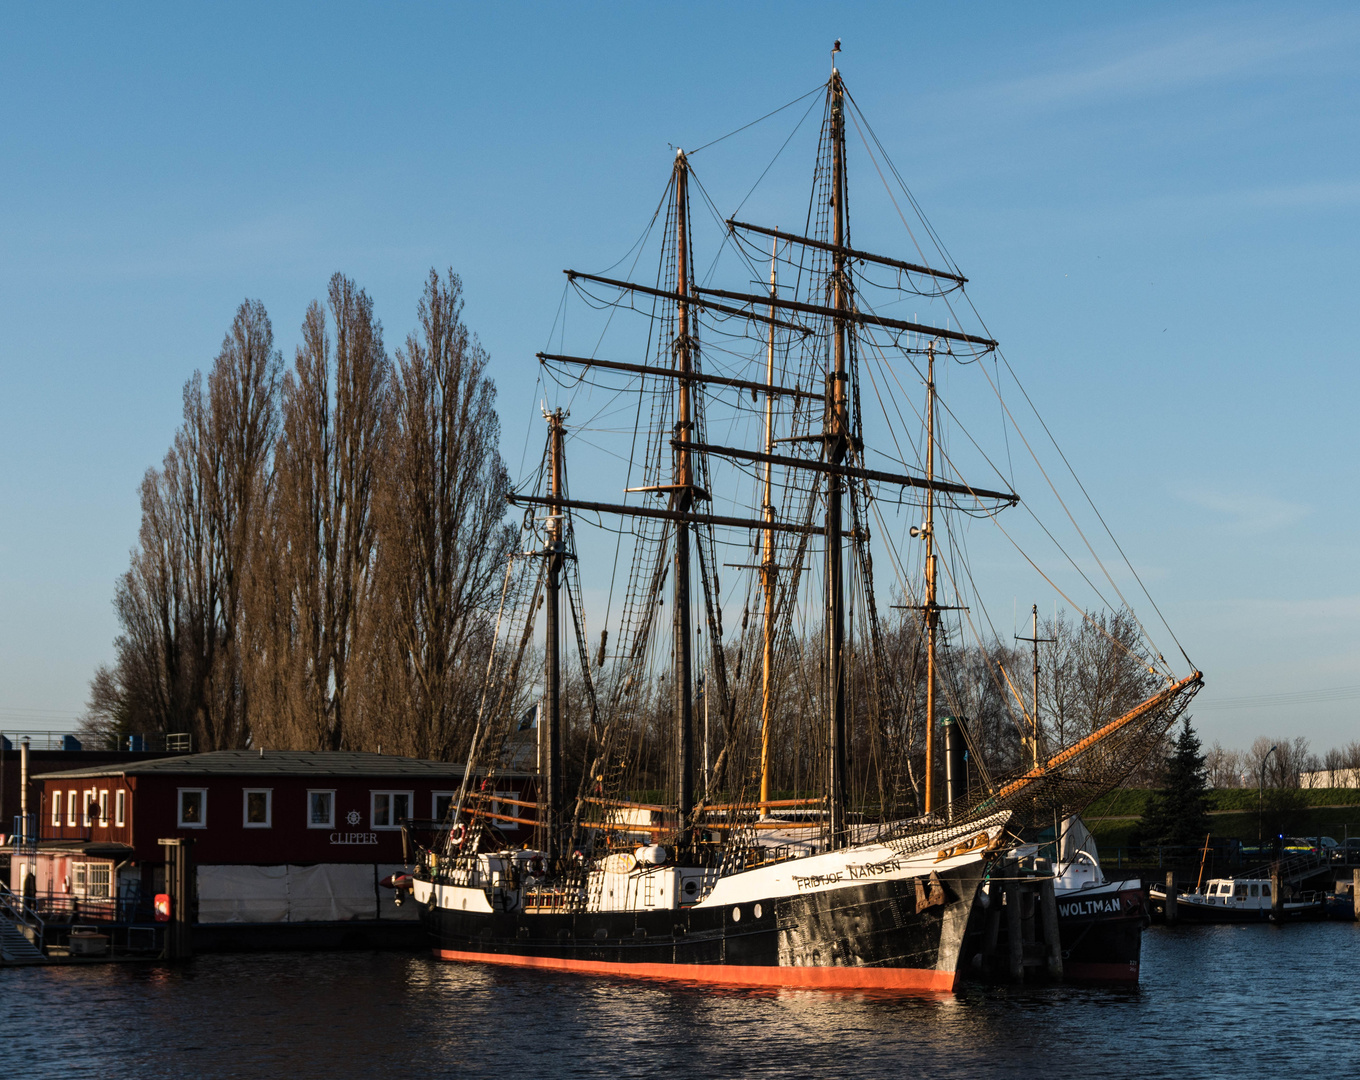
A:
[770,767]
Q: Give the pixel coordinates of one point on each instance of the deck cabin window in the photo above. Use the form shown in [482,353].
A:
[258,808]
[321,809]
[56,808]
[120,808]
[104,807]
[1265,890]
[90,879]
[72,802]
[1240,891]
[1256,890]
[389,808]
[193,808]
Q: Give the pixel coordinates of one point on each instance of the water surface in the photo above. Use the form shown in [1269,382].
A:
[1214,1001]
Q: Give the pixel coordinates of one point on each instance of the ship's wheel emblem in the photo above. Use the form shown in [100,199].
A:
[352,817]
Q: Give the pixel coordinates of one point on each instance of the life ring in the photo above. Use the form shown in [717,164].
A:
[457,834]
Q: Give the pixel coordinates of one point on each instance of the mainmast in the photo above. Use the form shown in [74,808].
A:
[550,811]
[682,499]
[767,564]
[837,433]
[932,613]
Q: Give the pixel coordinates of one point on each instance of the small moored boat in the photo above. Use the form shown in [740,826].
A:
[1226,900]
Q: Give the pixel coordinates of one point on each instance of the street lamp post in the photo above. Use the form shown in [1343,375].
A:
[1261,801]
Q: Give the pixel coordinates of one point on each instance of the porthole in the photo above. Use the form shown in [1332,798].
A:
[736,914]
[757,912]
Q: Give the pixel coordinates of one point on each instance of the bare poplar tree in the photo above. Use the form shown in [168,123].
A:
[310,602]
[442,537]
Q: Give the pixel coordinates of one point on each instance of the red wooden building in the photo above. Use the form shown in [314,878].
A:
[281,838]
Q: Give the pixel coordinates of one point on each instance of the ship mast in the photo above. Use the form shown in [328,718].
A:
[550,726]
[931,611]
[1032,736]
[836,435]
[767,565]
[682,499]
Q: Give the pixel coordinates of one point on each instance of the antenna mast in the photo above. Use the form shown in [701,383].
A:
[1032,736]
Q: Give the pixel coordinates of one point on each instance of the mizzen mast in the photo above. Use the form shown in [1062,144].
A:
[550,810]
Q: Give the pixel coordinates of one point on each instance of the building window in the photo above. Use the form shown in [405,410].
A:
[90,805]
[321,809]
[56,809]
[120,808]
[441,802]
[72,802]
[193,808]
[390,808]
[91,880]
[104,807]
[258,809]
[508,809]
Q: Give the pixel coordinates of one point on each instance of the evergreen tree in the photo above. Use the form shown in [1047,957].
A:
[1178,813]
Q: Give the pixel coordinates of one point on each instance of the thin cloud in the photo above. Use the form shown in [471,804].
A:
[1255,512]
[1222,52]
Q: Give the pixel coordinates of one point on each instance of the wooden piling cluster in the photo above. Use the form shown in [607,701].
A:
[1029,906]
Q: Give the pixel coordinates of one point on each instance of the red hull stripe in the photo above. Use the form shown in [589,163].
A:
[845,978]
[1115,973]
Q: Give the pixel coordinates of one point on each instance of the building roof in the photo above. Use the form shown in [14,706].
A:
[330,763]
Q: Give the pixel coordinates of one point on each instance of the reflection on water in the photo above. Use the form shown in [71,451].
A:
[1214,1001]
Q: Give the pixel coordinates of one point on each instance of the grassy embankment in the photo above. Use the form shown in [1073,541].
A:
[1233,814]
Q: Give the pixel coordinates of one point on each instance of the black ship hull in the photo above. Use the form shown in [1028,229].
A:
[1101,931]
[868,935]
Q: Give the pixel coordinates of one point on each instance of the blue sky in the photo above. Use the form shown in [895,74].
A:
[1157,206]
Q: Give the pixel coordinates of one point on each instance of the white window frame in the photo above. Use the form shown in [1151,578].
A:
[120,807]
[320,825]
[203,808]
[72,808]
[80,880]
[512,811]
[435,796]
[373,809]
[91,795]
[268,822]
[56,809]
[103,807]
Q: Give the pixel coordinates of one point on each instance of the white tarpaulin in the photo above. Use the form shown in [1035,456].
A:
[242,894]
[331,891]
[327,892]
